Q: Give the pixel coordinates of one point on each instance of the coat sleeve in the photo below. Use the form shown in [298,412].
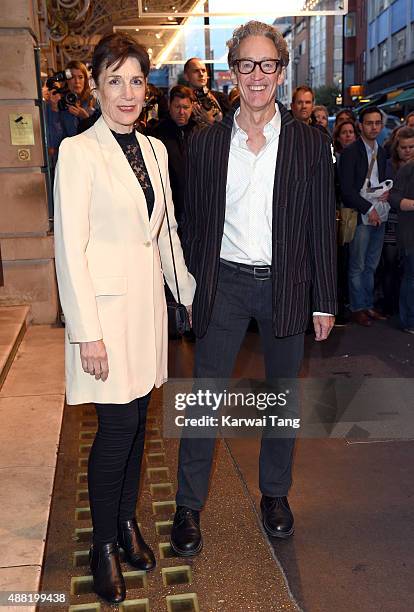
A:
[399,190]
[72,197]
[349,191]
[186,282]
[322,234]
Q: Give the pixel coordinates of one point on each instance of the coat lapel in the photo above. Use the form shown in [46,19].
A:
[120,172]
[151,162]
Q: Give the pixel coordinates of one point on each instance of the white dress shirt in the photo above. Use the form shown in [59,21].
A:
[247,235]
[370,152]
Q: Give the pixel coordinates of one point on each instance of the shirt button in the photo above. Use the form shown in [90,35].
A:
[148,243]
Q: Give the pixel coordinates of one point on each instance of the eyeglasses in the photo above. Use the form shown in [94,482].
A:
[268,66]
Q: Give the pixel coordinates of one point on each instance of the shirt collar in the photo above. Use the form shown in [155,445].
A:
[369,150]
[270,130]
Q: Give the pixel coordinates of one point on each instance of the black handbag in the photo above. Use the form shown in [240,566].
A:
[178,321]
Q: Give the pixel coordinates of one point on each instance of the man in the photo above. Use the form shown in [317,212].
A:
[174,133]
[409,120]
[303,100]
[361,160]
[210,105]
[259,237]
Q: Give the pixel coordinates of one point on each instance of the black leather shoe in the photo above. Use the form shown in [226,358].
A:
[137,552]
[108,581]
[277,516]
[186,540]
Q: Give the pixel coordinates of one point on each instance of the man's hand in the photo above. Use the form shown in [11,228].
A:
[374,218]
[190,315]
[322,325]
[54,98]
[94,359]
[384,197]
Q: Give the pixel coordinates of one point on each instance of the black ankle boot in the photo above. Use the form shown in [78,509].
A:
[137,552]
[108,581]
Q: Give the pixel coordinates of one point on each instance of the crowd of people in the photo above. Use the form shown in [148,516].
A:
[376,271]
[247,210]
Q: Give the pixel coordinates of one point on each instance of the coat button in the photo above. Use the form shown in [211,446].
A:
[148,243]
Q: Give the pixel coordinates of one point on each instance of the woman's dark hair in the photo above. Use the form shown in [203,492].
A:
[402,133]
[114,49]
[338,148]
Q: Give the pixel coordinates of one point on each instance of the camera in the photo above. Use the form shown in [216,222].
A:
[67,97]
[204,99]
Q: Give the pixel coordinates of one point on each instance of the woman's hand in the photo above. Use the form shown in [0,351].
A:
[94,359]
[78,111]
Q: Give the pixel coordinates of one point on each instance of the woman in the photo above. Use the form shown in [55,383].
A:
[344,115]
[344,134]
[111,239]
[320,116]
[402,200]
[63,123]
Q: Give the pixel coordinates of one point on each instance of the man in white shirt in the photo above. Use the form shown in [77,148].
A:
[259,237]
[360,161]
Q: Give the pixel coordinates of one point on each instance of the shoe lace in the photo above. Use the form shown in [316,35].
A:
[186,513]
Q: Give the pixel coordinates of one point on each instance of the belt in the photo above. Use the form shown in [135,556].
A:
[258,272]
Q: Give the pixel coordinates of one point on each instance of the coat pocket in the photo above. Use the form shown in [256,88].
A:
[110,285]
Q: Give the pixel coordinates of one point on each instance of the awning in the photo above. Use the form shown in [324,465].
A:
[403,98]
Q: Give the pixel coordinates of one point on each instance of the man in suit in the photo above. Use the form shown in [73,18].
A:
[259,237]
[174,132]
[210,105]
[361,160]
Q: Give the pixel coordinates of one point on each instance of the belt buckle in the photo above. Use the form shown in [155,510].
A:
[261,272]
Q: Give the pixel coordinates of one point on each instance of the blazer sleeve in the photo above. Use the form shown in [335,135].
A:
[72,197]
[347,170]
[322,234]
[186,282]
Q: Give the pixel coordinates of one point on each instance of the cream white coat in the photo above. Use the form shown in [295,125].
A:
[110,262]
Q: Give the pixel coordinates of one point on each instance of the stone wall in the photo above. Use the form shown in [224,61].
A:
[26,245]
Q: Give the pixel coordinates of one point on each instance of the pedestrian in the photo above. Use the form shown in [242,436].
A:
[113,249]
[259,237]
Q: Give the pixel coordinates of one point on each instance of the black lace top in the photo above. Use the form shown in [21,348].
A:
[132,151]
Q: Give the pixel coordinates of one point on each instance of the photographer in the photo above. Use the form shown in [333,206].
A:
[210,105]
[69,102]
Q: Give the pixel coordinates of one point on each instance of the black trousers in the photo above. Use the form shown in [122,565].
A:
[239,297]
[114,466]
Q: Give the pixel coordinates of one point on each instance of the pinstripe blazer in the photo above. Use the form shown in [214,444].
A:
[304,245]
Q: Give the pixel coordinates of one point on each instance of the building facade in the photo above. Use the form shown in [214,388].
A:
[355,44]
[390,45]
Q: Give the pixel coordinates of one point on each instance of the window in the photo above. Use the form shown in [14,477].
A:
[398,47]
[383,60]
[350,25]
[373,67]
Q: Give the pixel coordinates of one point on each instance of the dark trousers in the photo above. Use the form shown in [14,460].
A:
[115,465]
[239,297]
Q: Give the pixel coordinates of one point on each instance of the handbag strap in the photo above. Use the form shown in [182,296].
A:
[371,166]
[168,220]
